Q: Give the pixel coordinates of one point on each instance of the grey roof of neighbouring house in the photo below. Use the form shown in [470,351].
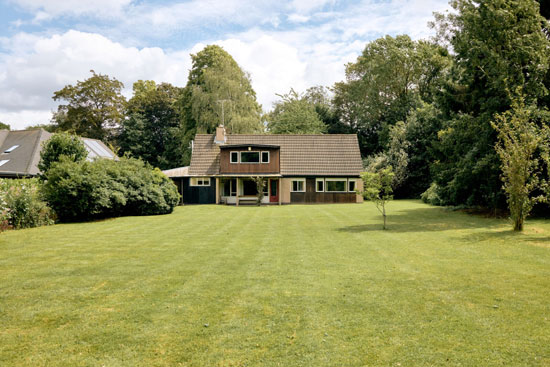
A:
[23,159]
[315,155]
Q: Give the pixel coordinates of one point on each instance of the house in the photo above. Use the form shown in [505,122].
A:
[20,151]
[297,169]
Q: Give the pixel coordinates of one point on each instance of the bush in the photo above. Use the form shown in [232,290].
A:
[21,205]
[61,144]
[80,191]
[431,196]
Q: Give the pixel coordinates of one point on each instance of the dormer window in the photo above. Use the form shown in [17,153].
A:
[11,149]
[250,157]
[265,157]
[234,157]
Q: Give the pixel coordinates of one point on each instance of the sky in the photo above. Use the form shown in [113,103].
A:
[47,44]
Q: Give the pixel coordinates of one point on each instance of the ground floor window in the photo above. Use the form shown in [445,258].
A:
[336,185]
[249,188]
[200,181]
[351,185]
[298,185]
[320,184]
[230,187]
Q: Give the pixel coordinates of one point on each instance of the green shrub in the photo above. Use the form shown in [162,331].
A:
[431,196]
[104,188]
[21,205]
[61,144]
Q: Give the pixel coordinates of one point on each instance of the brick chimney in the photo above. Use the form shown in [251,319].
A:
[220,137]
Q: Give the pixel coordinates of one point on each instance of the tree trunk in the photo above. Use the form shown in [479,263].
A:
[384,215]
[518,223]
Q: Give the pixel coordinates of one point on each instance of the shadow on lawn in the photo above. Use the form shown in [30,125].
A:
[426,220]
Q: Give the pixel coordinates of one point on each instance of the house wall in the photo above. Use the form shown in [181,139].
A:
[310,196]
[199,194]
[227,167]
[285,190]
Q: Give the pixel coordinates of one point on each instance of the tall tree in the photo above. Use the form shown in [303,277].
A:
[388,80]
[151,130]
[498,45]
[94,109]
[294,114]
[217,91]
[518,140]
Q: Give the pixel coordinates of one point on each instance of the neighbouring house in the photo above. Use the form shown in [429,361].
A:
[20,151]
[296,168]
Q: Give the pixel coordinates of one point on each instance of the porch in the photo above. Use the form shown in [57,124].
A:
[243,190]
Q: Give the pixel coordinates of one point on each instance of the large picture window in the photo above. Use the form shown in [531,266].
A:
[336,185]
[250,157]
[200,181]
[298,185]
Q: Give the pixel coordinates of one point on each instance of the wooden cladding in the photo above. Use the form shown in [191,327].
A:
[252,168]
[311,196]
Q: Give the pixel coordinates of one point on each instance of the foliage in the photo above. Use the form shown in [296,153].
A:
[519,139]
[4,126]
[260,185]
[396,156]
[386,82]
[61,144]
[152,130]
[431,196]
[95,107]
[217,91]
[21,205]
[104,188]
[377,187]
[294,114]
[498,46]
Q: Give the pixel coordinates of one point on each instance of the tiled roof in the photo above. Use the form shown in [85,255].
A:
[323,155]
[23,159]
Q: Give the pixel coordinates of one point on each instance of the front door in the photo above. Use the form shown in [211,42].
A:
[273,191]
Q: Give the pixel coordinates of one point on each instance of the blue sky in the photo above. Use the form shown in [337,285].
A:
[46,44]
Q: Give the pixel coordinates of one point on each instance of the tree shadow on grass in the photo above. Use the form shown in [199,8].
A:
[428,219]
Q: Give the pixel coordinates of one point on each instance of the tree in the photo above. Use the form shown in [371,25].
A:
[518,140]
[260,186]
[498,45]
[217,91]
[95,107]
[294,114]
[152,129]
[61,145]
[4,126]
[388,80]
[377,187]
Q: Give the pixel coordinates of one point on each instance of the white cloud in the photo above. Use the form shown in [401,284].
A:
[47,9]
[36,67]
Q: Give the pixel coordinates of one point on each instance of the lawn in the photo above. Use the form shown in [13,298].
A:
[302,285]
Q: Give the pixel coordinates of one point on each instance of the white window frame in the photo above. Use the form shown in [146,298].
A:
[334,180]
[199,181]
[302,180]
[250,151]
[317,180]
[350,181]
[262,155]
[231,156]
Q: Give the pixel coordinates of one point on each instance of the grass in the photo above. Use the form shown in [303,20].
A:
[318,285]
